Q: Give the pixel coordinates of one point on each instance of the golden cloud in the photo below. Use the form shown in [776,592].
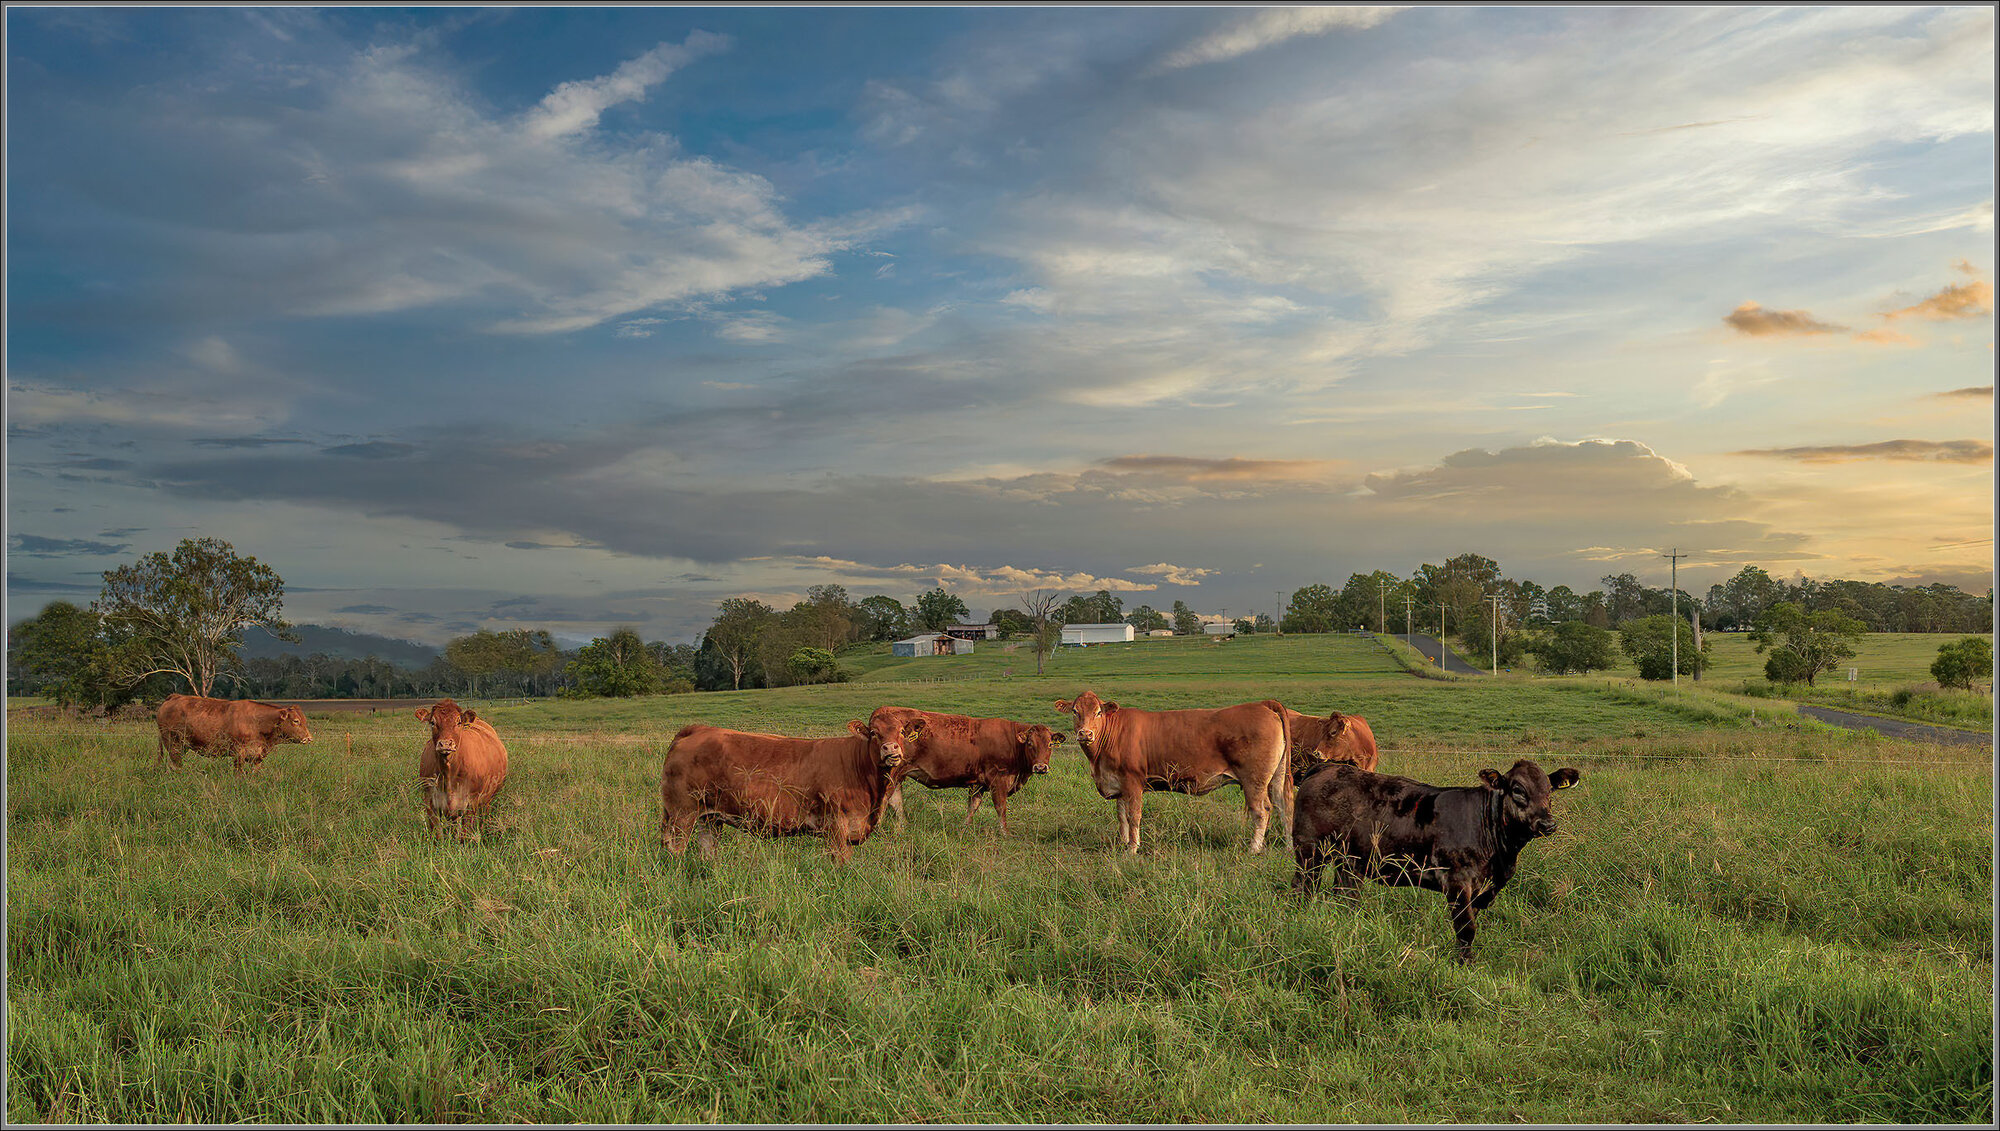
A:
[1754,320]
[1885,337]
[1959,300]
[1921,451]
[1970,392]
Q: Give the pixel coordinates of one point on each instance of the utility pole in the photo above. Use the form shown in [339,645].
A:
[1278,597]
[1407,602]
[1495,600]
[1674,600]
[1381,608]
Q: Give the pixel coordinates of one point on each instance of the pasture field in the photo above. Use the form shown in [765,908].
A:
[1737,923]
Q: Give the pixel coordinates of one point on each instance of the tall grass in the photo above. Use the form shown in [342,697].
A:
[1733,923]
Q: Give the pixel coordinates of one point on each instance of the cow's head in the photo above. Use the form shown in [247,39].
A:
[1524,795]
[1039,744]
[446,719]
[292,725]
[895,731]
[1327,749]
[886,741]
[1090,714]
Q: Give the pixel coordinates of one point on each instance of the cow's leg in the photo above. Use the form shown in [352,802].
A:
[1131,805]
[973,793]
[1000,807]
[1459,898]
[1260,817]
[894,801]
[1311,858]
[704,837]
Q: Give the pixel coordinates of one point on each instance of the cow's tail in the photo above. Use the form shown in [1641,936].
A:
[1281,782]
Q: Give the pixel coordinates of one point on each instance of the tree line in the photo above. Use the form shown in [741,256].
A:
[175,623]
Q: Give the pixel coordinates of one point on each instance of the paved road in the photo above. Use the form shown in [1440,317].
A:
[1896,728]
[1429,646]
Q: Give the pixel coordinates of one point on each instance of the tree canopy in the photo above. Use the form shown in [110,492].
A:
[184,614]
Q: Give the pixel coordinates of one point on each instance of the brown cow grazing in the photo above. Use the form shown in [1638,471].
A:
[463,765]
[1459,840]
[1336,738]
[1188,751]
[978,755]
[773,786]
[242,729]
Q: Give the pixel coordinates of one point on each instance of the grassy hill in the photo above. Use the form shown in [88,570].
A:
[1739,920]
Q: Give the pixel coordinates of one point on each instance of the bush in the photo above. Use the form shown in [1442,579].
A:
[1963,664]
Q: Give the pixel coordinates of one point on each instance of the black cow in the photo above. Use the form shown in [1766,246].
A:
[1459,840]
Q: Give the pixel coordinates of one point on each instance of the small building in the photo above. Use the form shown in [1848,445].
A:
[931,644]
[1159,632]
[1079,635]
[1219,628]
[973,631]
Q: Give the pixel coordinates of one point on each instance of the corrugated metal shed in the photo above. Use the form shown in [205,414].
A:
[1082,634]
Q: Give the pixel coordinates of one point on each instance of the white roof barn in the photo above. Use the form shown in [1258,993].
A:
[1082,634]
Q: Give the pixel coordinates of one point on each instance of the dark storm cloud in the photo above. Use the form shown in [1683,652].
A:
[35,546]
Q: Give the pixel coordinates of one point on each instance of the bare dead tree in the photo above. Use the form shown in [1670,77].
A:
[1040,607]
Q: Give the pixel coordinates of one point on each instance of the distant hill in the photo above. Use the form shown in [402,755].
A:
[341,644]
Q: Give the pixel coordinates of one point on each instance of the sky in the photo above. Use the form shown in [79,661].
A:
[571,318]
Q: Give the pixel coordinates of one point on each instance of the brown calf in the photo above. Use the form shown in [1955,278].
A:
[242,729]
[462,766]
[773,786]
[1189,751]
[978,755]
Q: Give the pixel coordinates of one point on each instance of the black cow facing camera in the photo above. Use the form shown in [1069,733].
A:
[1459,840]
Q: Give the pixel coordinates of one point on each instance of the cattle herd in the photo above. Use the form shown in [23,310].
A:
[1317,773]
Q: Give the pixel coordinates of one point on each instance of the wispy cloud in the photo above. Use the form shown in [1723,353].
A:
[575,106]
[34,546]
[1924,451]
[1970,392]
[1173,574]
[1264,27]
[1232,468]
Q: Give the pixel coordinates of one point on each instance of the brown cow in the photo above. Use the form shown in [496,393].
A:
[978,755]
[1336,738]
[773,786]
[1459,840]
[1188,751]
[243,729]
[463,765]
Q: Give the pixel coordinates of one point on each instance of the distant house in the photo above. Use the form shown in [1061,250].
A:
[1079,635]
[931,644]
[1222,628]
[973,631]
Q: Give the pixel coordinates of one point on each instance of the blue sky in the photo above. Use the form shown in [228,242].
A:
[569,318]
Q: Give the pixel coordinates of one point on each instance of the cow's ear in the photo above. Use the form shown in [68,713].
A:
[1564,778]
[1021,736]
[1335,724]
[1110,707]
[859,728]
[1063,707]
[1057,737]
[1494,779]
[467,718]
[423,714]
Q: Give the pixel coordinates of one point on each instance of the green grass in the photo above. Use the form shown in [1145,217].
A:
[1736,923]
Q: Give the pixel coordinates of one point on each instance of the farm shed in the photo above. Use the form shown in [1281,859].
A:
[1160,632]
[931,644]
[1222,628]
[973,631]
[1082,634]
